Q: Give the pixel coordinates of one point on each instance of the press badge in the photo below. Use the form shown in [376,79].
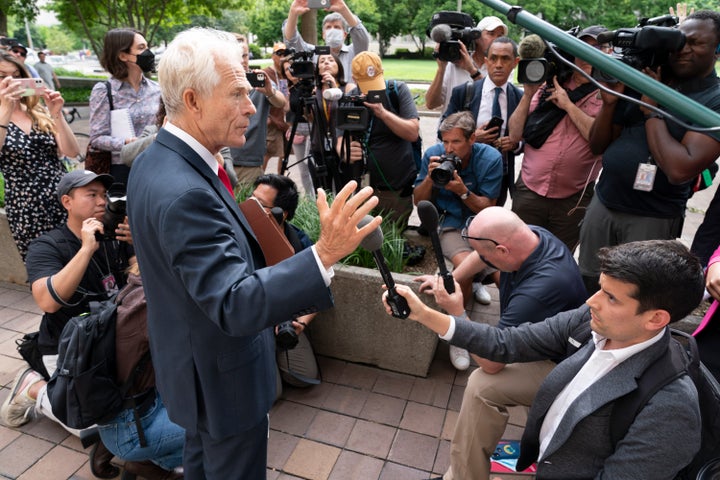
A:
[645,176]
[109,283]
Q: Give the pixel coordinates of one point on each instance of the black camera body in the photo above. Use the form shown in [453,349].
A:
[115,211]
[443,173]
[286,337]
[647,45]
[449,29]
[351,114]
[302,65]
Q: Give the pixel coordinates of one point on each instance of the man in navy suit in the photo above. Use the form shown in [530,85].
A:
[212,304]
[479,99]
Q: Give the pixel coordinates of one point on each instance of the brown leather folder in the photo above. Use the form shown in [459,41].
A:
[274,244]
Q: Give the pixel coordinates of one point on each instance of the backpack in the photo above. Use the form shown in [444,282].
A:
[83,390]
[394,97]
[681,358]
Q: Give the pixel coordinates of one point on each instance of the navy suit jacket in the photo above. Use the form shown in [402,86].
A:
[211,303]
[457,104]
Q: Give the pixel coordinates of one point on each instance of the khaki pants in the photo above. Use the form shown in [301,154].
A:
[484,416]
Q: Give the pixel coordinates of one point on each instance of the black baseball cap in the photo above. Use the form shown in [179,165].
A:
[80,178]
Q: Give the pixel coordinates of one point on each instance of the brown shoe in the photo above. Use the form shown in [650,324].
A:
[150,471]
[100,465]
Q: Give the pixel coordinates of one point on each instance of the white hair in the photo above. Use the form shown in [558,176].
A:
[190,63]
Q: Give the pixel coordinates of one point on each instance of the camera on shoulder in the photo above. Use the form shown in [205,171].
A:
[448,29]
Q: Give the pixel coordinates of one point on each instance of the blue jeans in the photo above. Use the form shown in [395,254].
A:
[165,440]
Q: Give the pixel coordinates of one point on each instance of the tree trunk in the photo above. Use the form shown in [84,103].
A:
[308,27]
[3,23]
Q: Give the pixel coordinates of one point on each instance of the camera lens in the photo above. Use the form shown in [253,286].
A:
[286,337]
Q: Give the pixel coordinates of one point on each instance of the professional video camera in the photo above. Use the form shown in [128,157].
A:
[449,29]
[443,173]
[647,45]
[115,211]
[352,115]
[302,66]
[538,63]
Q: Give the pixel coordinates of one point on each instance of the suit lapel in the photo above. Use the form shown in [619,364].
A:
[198,164]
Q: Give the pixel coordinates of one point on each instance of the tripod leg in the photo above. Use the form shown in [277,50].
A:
[288,147]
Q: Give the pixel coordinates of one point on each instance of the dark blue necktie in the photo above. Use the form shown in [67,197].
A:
[496,112]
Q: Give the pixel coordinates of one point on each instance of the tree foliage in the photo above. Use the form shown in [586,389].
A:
[94,17]
[23,9]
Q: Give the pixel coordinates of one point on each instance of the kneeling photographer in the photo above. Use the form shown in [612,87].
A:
[461,177]
[386,143]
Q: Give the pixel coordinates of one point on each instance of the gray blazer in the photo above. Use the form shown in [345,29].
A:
[663,438]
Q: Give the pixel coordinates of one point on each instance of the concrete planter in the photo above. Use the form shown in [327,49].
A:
[12,268]
[358,330]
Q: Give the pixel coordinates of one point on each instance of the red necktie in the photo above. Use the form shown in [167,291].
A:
[222,174]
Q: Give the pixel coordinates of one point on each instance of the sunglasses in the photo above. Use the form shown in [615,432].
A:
[20,52]
[464,231]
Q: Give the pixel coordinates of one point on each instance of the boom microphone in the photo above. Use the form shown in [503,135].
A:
[429,218]
[532,46]
[441,33]
[373,243]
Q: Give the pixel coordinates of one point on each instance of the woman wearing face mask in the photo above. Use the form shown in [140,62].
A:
[126,57]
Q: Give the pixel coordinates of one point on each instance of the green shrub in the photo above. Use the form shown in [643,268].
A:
[256,51]
[76,94]
[63,72]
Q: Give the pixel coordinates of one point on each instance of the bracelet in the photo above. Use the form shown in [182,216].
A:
[4,126]
[654,115]
[475,75]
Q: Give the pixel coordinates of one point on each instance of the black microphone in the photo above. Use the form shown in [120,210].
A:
[373,243]
[277,214]
[429,218]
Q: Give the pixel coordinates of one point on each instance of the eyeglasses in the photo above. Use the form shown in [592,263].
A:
[464,231]
[20,52]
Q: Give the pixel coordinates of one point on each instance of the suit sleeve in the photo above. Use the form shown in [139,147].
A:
[216,264]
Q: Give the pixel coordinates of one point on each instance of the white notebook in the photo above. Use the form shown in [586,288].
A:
[120,124]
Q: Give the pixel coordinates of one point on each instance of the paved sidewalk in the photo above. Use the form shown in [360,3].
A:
[361,423]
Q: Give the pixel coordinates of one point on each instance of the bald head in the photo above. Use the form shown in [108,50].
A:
[509,240]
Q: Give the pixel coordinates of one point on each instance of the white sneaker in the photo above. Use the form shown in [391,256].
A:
[459,357]
[481,294]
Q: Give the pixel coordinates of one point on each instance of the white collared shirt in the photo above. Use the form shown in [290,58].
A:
[488,95]
[598,365]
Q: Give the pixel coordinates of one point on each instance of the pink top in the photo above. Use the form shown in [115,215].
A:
[562,165]
[711,311]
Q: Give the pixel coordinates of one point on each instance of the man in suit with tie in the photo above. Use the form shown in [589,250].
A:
[212,304]
[644,287]
[493,96]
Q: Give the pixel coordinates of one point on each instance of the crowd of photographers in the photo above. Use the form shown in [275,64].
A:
[344,121]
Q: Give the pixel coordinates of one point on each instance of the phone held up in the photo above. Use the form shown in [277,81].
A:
[494,122]
[33,87]
[317,4]
[256,79]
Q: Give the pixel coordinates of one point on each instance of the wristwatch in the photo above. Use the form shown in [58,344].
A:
[465,195]
[476,74]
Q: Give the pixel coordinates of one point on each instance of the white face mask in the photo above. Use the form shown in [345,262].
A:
[334,38]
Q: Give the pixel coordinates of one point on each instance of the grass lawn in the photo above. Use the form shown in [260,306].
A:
[409,70]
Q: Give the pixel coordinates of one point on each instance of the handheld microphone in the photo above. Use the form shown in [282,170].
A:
[332,94]
[277,214]
[429,218]
[373,243]
[441,33]
[532,46]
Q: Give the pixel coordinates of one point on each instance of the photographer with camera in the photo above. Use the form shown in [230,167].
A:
[335,28]
[67,268]
[393,125]
[492,101]
[648,161]
[558,171]
[248,159]
[461,178]
[469,66]
[295,357]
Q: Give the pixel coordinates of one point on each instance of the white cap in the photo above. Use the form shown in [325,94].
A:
[490,23]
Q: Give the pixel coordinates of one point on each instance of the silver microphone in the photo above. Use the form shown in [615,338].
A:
[332,94]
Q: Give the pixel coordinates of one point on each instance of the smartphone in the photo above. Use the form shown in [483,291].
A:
[317,4]
[256,79]
[33,87]
[494,122]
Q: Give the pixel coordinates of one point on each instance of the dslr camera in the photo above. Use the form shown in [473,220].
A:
[115,211]
[448,29]
[443,173]
[647,45]
[286,337]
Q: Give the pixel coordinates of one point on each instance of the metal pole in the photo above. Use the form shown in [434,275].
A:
[27,33]
[673,101]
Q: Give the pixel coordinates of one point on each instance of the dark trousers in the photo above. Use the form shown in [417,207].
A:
[707,237]
[241,456]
